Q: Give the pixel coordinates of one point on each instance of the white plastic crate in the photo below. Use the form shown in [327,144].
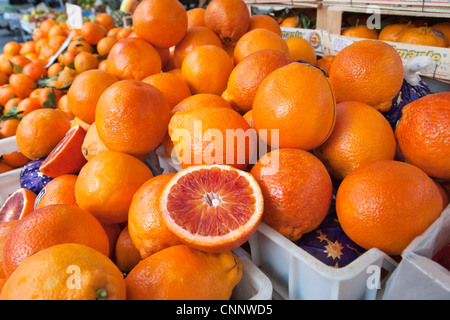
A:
[418,270]
[297,275]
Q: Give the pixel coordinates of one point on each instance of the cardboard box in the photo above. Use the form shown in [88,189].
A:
[441,56]
[315,37]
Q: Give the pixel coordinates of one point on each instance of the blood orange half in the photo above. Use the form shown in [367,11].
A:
[66,157]
[213,208]
[18,205]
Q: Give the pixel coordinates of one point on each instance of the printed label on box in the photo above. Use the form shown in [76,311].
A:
[315,37]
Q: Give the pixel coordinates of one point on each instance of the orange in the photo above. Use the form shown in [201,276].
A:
[258,39]
[229,19]
[14,102]
[40,131]
[92,144]
[325,62]
[301,49]
[46,25]
[133,58]
[57,30]
[246,77]
[103,65]
[8,128]
[85,61]
[21,84]
[183,273]
[5,229]
[60,190]
[212,208]
[124,33]
[105,44]
[126,254]
[207,135]
[264,21]
[132,116]
[11,48]
[48,226]
[361,134]
[196,17]
[35,71]
[4,167]
[6,93]
[77,122]
[26,48]
[424,36]
[27,105]
[92,32]
[195,37]
[55,68]
[361,31]
[375,208]
[20,61]
[163,23]
[63,105]
[19,204]
[201,100]
[66,157]
[15,159]
[146,227]
[112,231]
[393,32]
[423,134]
[106,20]
[291,22]
[86,89]
[106,185]
[292,99]
[113,32]
[367,71]
[206,69]
[77,272]
[443,27]
[79,46]
[173,88]
[4,78]
[165,55]
[296,188]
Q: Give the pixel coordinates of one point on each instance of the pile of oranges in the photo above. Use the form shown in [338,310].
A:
[258,124]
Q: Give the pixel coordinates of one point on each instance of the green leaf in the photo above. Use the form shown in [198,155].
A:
[16,67]
[12,114]
[50,103]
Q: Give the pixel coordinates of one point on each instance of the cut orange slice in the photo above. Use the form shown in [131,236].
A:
[213,208]
[67,157]
[17,205]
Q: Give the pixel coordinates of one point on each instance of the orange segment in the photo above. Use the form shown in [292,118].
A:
[212,207]
[18,205]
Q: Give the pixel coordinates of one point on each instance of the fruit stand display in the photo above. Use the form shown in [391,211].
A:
[260,157]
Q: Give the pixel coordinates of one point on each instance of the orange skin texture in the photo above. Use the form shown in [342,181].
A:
[97,273]
[368,71]
[360,134]
[21,84]
[19,204]
[443,27]
[127,256]
[195,37]
[423,134]
[206,69]
[51,225]
[86,89]
[203,150]
[246,77]
[325,63]
[301,49]
[132,117]
[163,23]
[230,19]
[423,36]
[265,22]
[107,183]
[201,100]
[15,159]
[92,144]
[173,274]
[375,208]
[196,17]
[146,226]
[40,131]
[5,229]
[8,128]
[60,190]
[361,31]
[393,32]
[133,58]
[305,105]
[297,191]
[258,39]
[92,32]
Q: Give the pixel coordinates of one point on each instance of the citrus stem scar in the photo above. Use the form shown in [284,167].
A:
[101,294]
